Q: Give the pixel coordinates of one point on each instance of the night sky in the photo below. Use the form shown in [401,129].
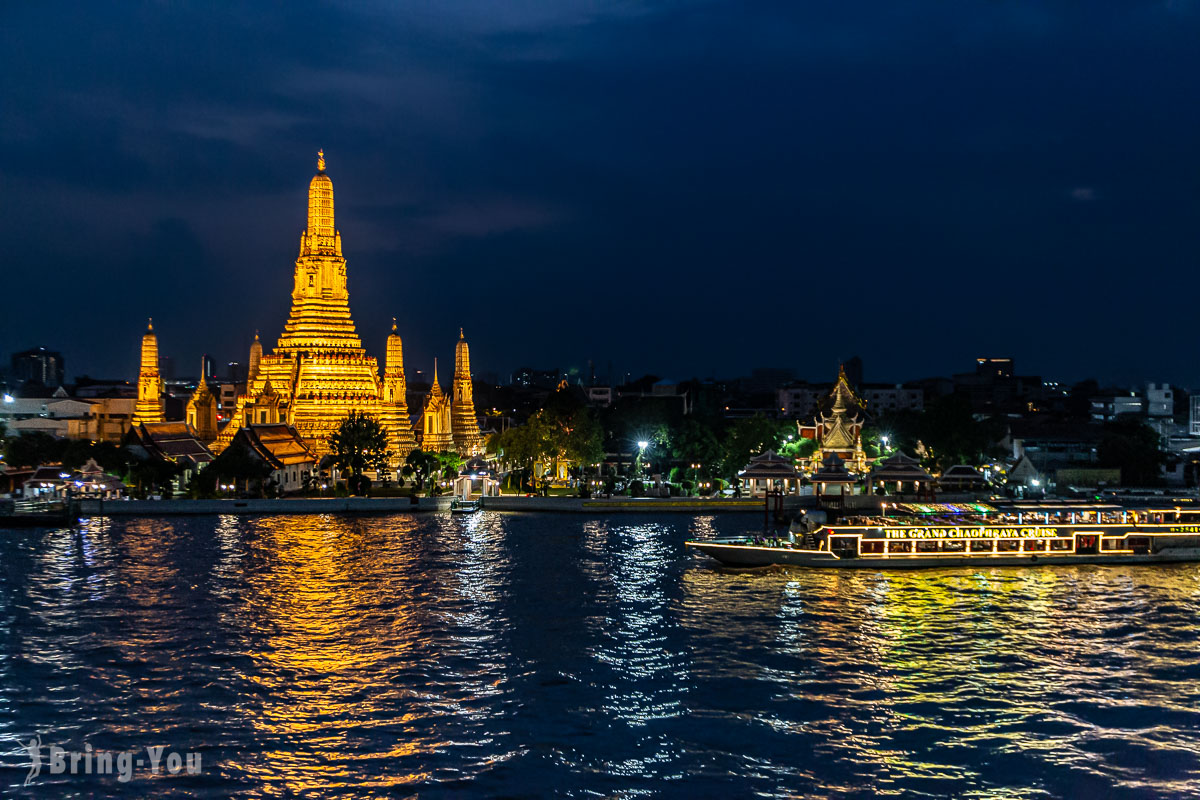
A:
[689,189]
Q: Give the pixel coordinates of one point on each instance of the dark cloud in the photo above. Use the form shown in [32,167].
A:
[688,188]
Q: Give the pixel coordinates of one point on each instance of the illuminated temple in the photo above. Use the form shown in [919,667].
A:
[319,372]
[838,431]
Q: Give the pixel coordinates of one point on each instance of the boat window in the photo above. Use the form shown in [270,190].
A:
[983,545]
[954,546]
[871,547]
[900,547]
[1112,544]
[843,545]
[1060,544]
[927,546]
[1035,545]
[1008,545]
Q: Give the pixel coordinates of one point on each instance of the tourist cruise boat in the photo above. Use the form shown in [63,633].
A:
[907,535]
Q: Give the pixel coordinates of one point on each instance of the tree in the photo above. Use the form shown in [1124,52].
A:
[1133,446]
[449,464]
[359,444]
[802,448]
[564,430]
[949,433]
[697,443]
[420,467]
[32,449]
[747,438]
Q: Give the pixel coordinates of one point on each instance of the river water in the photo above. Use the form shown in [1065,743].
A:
[532,655]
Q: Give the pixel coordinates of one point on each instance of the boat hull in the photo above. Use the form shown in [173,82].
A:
[746,556]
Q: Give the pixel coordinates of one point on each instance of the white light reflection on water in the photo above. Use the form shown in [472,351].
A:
[647,680]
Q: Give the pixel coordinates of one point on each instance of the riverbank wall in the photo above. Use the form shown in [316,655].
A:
[396,505]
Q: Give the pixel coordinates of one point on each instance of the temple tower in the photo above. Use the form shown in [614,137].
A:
[320,317]
[149,406]
[201,412]
[318,372]
[436,436]
[255,358]
[467,439]
[401,438]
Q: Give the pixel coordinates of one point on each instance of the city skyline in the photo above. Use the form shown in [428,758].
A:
[677,191]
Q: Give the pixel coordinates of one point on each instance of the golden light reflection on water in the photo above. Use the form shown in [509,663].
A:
[915,670]
[342,614]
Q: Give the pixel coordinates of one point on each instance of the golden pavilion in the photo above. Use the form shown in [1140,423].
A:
[838,431]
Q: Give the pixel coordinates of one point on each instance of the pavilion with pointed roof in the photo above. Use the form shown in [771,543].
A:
[833,479]
[903,474]
[769,471]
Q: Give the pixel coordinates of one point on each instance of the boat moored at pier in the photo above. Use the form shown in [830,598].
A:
[961,534]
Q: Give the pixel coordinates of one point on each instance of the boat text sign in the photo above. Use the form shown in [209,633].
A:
[969,533]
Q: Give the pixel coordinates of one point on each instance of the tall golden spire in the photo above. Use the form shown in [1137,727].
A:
[467,439]
[149,406]
[320,208]
[320,317]
[255,360]
[394,402]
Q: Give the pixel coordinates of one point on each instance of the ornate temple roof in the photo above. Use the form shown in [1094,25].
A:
[899,467]
[840,426]
[172,441]
[278,445]
[769,465]
[963,475]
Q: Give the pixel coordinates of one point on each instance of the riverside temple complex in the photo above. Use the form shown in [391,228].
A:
[319,370]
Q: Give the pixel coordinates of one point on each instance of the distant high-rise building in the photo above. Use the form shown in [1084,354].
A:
[208,367]
[994,367]
[38,365]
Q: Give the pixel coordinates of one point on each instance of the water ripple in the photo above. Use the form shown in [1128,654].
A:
[534,655]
